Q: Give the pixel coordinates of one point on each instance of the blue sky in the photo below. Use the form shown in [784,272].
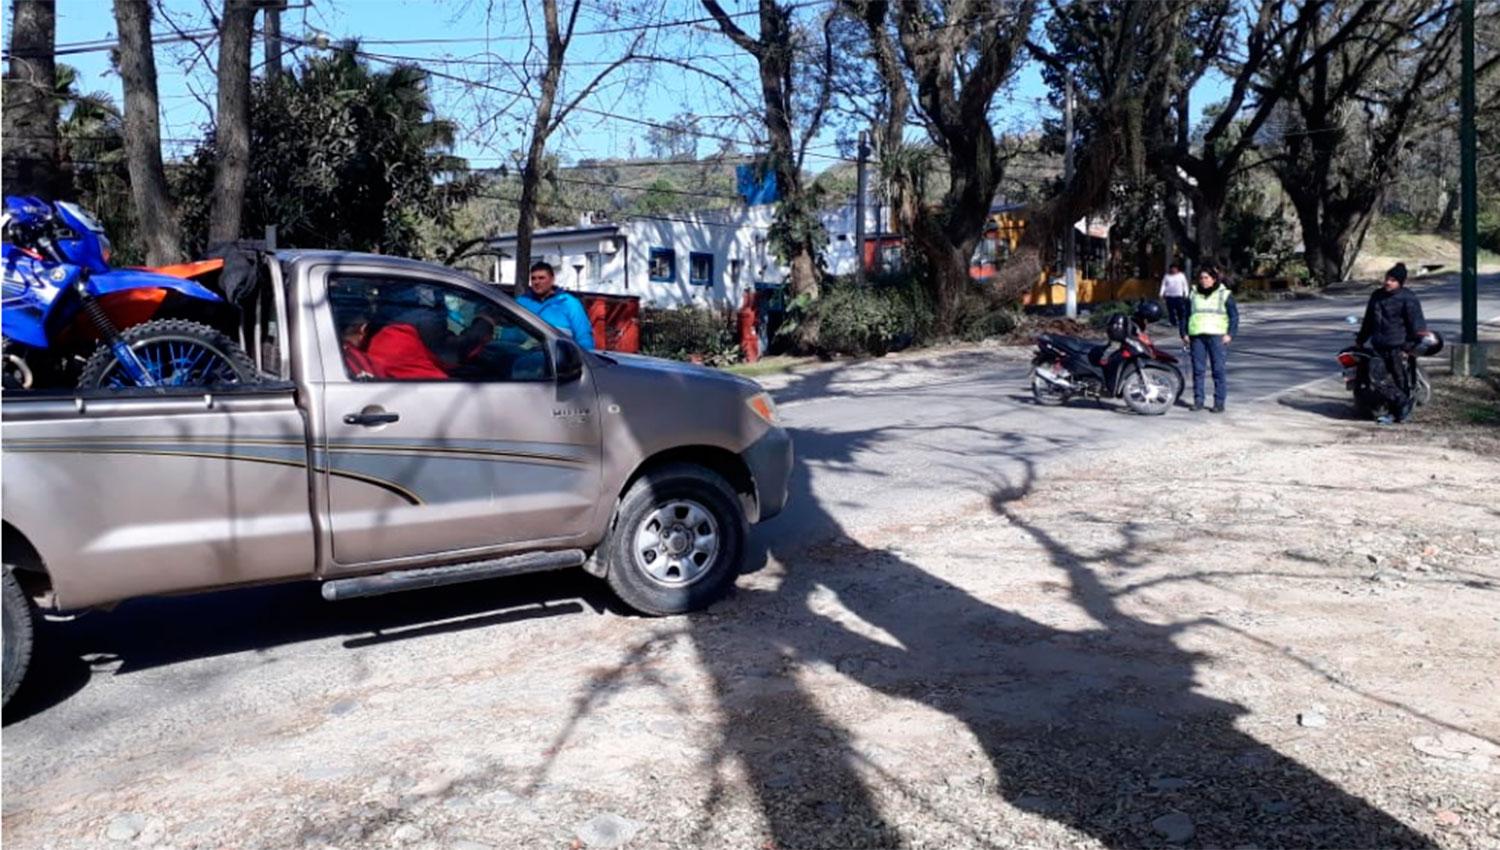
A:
[476,40]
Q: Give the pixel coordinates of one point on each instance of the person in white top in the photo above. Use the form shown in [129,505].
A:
[1174,291]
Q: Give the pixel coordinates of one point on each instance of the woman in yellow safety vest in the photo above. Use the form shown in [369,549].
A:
[1211,322]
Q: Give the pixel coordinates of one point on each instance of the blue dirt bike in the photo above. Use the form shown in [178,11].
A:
[71,319]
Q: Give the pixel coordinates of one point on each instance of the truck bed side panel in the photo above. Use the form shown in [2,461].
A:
[138,496]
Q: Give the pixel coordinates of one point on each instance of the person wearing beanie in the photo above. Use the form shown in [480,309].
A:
[1393,322]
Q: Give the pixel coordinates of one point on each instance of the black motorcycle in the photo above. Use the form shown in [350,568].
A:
[1145,376]
[1364,370]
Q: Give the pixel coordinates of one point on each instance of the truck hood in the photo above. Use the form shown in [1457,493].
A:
[676,370]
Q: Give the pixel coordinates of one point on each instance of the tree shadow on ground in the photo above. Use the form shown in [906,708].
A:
[154,631]
[1100,728]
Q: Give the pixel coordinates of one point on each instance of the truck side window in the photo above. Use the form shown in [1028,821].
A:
[396,329]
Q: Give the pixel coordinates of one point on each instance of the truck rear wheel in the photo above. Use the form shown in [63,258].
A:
[18,615]
[677,541]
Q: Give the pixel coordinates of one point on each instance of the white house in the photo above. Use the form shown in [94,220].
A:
[708,258]
[705,258]
[841,254]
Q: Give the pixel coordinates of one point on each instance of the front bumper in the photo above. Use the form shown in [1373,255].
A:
[769,460]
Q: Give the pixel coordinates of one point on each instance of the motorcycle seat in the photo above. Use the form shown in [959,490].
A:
[1071,343]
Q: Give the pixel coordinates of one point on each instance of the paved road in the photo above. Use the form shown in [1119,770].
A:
[902,440]
[918,437]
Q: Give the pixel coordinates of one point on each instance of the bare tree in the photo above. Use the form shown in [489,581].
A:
[1202,167]
[550,115]
[148,178]
[957,56]
[1353,117]
[232,131]
[31,106]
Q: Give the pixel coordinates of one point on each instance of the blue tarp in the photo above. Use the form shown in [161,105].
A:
[756,184]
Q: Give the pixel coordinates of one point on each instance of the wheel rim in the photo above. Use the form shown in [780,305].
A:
[175,361]
[1152,390]
[1044,388]
[677,543]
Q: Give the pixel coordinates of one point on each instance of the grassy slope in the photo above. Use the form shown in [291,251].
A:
[1387,246]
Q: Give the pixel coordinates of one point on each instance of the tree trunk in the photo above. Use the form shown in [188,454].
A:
[1208,211]
[30,115]
[541,128]
[232,135]
[773,54]
[1446,221]
[148,179]
[804,282]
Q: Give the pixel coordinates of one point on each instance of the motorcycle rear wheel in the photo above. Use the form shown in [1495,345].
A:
[1045,393]
[178,353]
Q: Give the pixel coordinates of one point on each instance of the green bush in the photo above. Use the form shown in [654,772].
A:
[889,314]
[1489,229]
[1100,315]
[981,322]
[690,333]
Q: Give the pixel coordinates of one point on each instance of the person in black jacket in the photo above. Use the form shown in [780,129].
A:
[1393,322]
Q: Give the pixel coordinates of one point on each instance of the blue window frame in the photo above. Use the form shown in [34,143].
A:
[662,266]
[701,269]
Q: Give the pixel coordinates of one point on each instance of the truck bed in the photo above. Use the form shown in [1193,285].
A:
[152,491]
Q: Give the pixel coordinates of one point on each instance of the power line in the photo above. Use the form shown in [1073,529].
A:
[387,59]
[662,190]
[515,202]
[633,28]
[102,45]
[449,59]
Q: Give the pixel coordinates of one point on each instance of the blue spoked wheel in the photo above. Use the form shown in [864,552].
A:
[177,353]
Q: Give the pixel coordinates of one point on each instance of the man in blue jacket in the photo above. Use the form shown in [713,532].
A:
[561,310]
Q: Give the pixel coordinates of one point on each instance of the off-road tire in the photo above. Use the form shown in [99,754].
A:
[629,579]
[96,371]
[19,616]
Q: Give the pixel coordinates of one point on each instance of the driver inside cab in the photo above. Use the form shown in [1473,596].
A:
[416,341]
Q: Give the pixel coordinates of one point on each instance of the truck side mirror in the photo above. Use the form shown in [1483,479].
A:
[569,361]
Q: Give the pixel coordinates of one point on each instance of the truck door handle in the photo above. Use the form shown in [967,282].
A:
[371,418]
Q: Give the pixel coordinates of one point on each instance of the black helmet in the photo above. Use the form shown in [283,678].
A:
[1147,312]
[1118,328]
[1430,343]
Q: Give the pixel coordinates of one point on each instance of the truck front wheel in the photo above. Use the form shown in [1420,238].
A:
[17,623]
[677,542]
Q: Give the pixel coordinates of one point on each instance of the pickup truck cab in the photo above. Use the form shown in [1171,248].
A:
[414,427]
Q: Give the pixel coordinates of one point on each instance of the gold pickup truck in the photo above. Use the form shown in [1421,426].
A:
[526,454]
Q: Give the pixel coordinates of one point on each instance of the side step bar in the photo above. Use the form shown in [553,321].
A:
[393,582]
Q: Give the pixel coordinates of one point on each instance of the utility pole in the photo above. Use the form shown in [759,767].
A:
[1468,188]
[859,209]
[272,25]
[1069,251]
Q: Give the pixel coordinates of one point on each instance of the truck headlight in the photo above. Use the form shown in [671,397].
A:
[764,407]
